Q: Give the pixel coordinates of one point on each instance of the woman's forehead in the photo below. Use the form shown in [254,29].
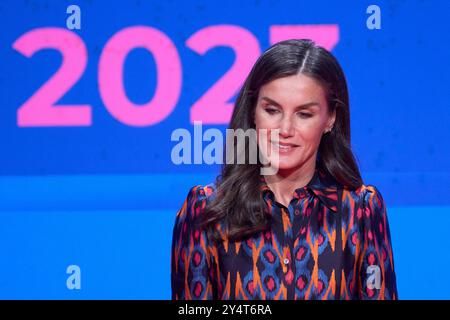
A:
[294,91]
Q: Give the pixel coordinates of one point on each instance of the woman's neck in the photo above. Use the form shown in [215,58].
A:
[284,182]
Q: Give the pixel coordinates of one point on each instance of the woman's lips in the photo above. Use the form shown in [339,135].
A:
[284,147]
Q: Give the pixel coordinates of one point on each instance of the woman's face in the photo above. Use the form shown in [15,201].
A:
[297,106]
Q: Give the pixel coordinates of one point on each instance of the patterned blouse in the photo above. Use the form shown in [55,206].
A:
[317,248]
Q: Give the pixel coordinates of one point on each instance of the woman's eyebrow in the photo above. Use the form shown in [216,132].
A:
[303,106]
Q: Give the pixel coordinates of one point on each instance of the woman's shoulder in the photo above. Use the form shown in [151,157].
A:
[367,207]
[366,195]
[185,227]
[200,193]
[197,198]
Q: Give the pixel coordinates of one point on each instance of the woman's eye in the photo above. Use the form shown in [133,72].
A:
[271,111]
[305,115]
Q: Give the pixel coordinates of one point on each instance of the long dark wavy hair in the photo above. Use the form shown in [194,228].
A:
[238,201]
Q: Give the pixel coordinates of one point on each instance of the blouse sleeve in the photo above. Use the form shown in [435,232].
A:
[190,261]
[377,274]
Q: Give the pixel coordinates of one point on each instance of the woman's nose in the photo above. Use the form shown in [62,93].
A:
[286,127]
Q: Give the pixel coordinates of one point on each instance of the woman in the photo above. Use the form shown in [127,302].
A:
[312,230]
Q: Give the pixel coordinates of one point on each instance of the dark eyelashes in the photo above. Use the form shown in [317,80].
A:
[272,111]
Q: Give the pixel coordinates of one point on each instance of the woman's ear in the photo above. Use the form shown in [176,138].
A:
[330,123]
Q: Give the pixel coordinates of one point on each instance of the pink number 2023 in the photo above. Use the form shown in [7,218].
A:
[42,110]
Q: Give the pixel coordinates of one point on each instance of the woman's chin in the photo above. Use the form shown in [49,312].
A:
[286,165]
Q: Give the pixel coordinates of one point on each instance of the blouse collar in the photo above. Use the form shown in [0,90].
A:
[320,185]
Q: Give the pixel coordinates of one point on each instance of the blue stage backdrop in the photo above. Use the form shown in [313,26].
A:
[91,92]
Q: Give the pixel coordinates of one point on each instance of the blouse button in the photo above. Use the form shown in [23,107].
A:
[286,261]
